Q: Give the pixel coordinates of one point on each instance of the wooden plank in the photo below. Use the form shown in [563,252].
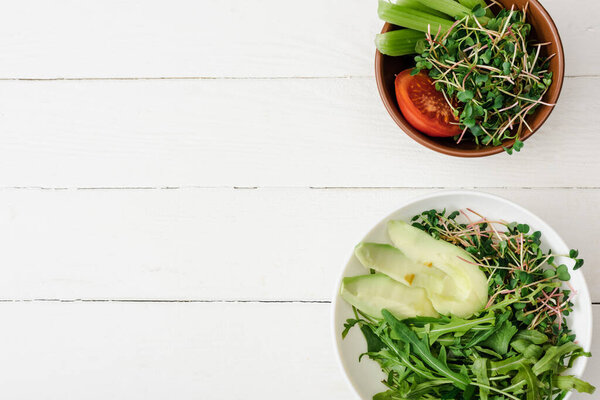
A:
[213,244]
[159,351]
[187,38]
[321,132]
[577,28]
[177,350]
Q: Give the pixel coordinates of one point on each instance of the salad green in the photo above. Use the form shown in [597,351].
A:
[515,347]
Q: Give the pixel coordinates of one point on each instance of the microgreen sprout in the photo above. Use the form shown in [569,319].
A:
[492,75]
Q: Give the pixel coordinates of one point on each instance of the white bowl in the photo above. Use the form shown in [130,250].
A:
[365,376]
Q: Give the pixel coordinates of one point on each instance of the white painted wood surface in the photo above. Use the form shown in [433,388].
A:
[259,38]
[182,181]
[217,244]
[263,132]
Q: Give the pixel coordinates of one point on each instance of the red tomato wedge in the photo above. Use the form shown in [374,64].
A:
[424,107]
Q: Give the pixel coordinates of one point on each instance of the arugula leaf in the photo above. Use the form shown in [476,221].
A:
[570,382]
[451,395]
[417,391]
[422,321]
[422,351]
[481,336]
[533,390]
[374,344]
[487,351]
[532,336]
[479,368]
[533,352]
[347,326]
[575,355]
[552,357]
[518,381]
[507,365]
[500,340]
[520,345]
[469,392]
[528,349]
[387,395]
[457,326]
[443,356]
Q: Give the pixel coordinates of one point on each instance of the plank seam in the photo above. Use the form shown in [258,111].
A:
[213,78]
[190,78]
[175,301]
[163,301]
[194,187]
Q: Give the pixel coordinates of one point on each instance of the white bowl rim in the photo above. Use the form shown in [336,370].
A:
[583,290]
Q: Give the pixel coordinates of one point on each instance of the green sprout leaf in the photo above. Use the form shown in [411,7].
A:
[465,96]
[562,272]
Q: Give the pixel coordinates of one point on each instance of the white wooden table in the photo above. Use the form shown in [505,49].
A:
[181,182]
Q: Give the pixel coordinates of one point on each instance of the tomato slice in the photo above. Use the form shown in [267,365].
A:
[424,107]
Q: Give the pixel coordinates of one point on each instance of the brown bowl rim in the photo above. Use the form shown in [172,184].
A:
[424,140]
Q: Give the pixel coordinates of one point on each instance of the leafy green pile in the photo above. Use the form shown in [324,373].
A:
[516,348]
[492,76]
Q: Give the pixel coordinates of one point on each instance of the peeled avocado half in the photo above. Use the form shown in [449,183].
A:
[418,268]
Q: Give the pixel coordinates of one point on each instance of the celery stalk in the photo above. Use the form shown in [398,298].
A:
[470,4]
[451,8]
[398,43]
[411,18]
[416,5]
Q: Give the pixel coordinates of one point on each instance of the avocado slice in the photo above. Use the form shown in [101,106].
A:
[470,291]
[374,292]
[390,261]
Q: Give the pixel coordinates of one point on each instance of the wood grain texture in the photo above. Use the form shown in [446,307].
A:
[219,244]
[297,132]
[151,351]
[187,38]
[158,351]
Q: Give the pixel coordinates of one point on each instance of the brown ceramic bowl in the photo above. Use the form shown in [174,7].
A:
[543,30]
